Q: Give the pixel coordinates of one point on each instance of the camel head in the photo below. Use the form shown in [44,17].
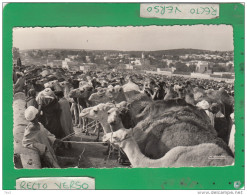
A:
[98,112]
[41,81]
[83,84]
[120,116]
[117,137]
[51,84]
[81,92]
[114,93]
[114,116]
[64,83]
[215,108]
[99,96]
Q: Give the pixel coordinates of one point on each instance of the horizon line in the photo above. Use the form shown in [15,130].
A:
[123,50]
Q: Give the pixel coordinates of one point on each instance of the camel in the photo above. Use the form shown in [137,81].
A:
[130,86]
[99,97]
[67,87]
[56,85]
[137,101]
[115,120]
[120,116]
[164,125]
[99,113]
[81,96]
[118,94]
[225,103]
[201,155]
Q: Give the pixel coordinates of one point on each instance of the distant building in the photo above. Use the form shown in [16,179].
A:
[202,67]
[183,57]
[51,57]
[136,62]
[85,68]
[88,59]
[140,62]
[73,57]
[171,70]
[168,62]
[65,63]
[128,67]
[88,66]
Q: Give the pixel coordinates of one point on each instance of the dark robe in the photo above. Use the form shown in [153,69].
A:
[51,116]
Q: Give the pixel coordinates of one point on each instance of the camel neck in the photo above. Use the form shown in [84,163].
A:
[117,126]
[106,126]
[120,97]
[136,158]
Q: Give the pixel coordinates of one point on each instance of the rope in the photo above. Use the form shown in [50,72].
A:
[70,135]
[87,126]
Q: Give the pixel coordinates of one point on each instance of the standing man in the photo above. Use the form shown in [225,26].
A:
[65,115]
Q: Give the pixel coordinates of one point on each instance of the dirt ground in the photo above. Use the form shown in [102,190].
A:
[87,155]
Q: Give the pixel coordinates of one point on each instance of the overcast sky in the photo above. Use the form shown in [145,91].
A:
[208,37]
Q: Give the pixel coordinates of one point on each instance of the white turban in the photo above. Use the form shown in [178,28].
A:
[203,104]
[47,92]
[177,87]
[30,113]
[117,87]
[110,87]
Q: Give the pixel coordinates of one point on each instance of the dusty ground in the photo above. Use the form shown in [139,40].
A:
[93,155]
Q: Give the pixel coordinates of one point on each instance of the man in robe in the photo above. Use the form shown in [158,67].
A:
[36,137]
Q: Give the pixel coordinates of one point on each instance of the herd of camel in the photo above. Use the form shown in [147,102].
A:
[173,132]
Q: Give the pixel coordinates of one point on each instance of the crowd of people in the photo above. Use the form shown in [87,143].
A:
[49,110]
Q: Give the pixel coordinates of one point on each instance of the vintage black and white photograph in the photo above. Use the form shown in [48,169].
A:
[106,97]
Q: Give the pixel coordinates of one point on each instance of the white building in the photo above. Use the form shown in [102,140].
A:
[202,66]
[168,62]
[65,63]
[72,56]
[136,62]
[88,59]
[128,67]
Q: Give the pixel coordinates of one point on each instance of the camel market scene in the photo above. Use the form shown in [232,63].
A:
[99,108]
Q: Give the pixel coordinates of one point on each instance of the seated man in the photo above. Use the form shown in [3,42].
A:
[36,137]
[20,83]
